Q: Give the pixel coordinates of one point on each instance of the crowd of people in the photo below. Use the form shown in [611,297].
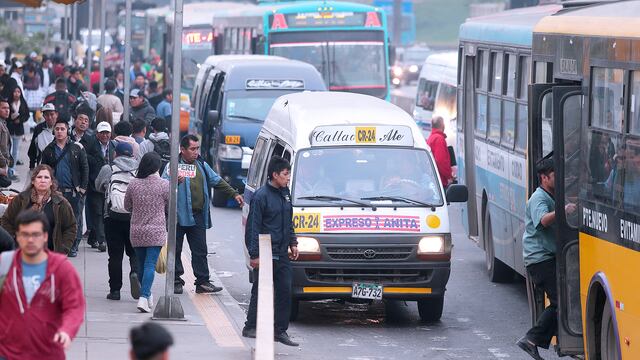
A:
[96,177]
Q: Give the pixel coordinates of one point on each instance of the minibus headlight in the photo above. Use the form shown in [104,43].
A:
[431,245]
[229,152]
[413,68]
[397,71]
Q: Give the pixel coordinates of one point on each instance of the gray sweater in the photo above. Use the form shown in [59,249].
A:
[147,200]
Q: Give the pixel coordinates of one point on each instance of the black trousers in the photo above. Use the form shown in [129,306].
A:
[118,243]
[281,296]
[95,217]
[74,199]
[543,275]
[197,238]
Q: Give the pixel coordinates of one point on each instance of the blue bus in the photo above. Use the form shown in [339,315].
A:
[494,74]
[346,42]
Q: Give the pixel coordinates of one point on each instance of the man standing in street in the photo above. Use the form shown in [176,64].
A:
[164,109]
[438,144]
[41,301]
[69,161]
[271,213]
[193,213]
[539,251]
[140,107]
[62,100]
[42,134]
[114,180]
[109,100]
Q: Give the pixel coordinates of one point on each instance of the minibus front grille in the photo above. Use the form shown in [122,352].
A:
[366,253]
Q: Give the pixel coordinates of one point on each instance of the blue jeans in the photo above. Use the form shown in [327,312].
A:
[147,258]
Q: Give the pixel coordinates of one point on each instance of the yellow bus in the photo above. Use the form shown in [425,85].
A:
[593,53]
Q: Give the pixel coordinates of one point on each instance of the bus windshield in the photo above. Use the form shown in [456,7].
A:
[334,59]
[191,60]
[383,176]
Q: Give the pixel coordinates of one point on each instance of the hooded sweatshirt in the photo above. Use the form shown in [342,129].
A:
[147,146]
[145,112]
[123,163]
[133,142]
[28,329]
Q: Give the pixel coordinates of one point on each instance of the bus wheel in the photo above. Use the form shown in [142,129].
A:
[608,340]
[295,308]
[498,271]
[219,198]
[430,309]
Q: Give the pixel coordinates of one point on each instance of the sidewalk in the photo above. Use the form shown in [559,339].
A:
[212,325]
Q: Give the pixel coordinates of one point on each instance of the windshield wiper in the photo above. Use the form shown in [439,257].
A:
[400,198]
[246,118]
[335,198]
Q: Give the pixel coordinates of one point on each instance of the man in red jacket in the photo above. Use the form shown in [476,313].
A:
[41,301]
[438,144]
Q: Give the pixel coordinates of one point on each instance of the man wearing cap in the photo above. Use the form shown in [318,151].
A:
[42,134]
[16,73]
[140,107]
[69,162]
[539,251]
[118,225]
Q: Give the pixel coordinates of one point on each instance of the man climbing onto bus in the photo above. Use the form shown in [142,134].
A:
[438,144]
[539,251]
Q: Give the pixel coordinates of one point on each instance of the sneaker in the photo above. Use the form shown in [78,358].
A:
[102,247]
[114,295]
[150,300]
[143,305]
[284,338]
[19,162]
[529,348]
[14,178]
[72,253]
[249,332]
[135,285]
[177,288]
[207,288]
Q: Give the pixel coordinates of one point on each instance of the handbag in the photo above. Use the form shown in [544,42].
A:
[161,264]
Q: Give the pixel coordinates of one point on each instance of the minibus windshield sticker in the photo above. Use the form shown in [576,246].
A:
[362,135]
[306,222]
[384,223]
[253,84]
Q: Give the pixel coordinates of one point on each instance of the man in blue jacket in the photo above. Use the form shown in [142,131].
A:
[271,213]
[194,192]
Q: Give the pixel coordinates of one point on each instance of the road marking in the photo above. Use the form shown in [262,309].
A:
[216,320]
[482,335]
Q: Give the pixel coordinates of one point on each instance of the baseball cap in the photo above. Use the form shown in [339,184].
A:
[124,149]
[18,64]
[48,107]
[134,93]
[103,126]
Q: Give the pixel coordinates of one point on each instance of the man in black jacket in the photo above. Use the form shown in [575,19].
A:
[42,135]
[82,134]
[69,162]
[271,213]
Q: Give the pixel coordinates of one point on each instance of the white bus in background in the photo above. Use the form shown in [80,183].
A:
[436,94]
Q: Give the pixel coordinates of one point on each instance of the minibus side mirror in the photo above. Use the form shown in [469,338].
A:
[457,193]
[213,117]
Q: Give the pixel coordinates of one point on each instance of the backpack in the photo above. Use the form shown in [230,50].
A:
[6,259]
[114,196]
[163,148]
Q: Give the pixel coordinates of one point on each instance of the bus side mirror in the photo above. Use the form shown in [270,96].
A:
[457,193]
[213,117]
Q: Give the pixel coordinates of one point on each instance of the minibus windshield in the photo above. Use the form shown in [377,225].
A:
[381,176]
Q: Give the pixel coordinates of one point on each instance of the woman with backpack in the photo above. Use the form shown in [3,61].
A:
[144,199]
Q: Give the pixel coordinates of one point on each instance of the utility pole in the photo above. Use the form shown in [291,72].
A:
[89,53]
[169,306]
[103,30]
[127,60]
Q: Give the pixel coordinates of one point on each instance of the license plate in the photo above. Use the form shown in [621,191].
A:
[367,291]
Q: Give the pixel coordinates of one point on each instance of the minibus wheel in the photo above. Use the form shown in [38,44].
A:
[608,340]
[430,309]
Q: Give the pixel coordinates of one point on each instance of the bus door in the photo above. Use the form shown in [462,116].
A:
[539,146]
[466,145]
[567,144]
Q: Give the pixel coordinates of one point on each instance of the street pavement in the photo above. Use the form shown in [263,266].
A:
[481,320]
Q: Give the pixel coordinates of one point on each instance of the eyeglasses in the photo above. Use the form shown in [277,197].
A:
[26,235]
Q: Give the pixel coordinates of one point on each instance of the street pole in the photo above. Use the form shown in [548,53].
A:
[46,34]
[127,60]
[103,30]
[67,33]
[169,306]
[89,53]
[74,31]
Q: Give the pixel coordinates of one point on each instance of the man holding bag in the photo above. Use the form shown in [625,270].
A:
[113,180]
